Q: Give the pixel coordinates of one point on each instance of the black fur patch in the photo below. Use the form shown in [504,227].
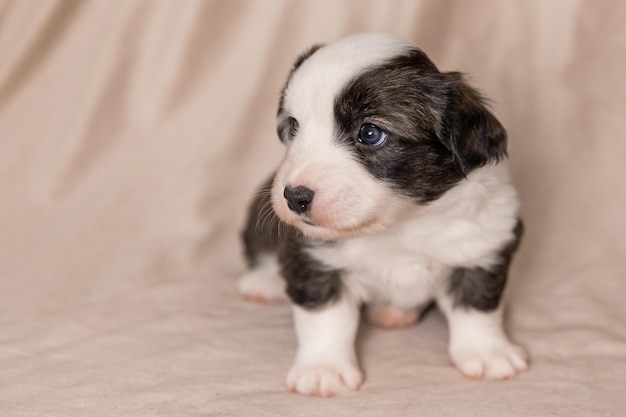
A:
[261,235]
[310,284]
[481,288]
[438,128]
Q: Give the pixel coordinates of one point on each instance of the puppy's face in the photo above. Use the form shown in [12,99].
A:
[373,129]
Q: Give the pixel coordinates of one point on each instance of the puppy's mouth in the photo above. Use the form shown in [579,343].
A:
[316,230]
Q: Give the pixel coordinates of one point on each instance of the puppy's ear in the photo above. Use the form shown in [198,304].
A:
[283,125]
[473,135]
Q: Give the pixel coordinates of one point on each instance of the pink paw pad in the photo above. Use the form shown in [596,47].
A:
[390,316]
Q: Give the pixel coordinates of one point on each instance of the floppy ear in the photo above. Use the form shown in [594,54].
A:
[473,135]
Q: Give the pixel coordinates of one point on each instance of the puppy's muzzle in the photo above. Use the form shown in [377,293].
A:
[299,198]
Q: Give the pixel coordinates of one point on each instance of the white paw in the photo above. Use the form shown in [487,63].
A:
[258,285]
[498,361]
[390,316]
[263,283]
[324,380]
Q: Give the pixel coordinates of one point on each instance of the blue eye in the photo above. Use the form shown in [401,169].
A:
[370,134]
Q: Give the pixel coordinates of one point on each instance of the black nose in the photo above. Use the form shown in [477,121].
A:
[299,198]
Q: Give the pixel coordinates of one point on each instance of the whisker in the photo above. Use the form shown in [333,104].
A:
[265,215]
[263,192]
[281,226]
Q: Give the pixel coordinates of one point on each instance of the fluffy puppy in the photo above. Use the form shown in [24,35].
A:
[394,192]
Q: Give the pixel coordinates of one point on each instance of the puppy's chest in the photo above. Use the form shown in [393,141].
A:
[395,268]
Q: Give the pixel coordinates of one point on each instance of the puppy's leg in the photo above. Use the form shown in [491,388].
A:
[326,317]
[479,346]
[326,360]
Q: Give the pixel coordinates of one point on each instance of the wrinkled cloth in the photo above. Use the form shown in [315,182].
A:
[133,134]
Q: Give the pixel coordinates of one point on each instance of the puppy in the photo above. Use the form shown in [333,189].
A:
[394,192]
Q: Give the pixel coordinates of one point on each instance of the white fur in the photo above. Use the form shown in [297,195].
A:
[326,361]
[332,66]
[263,282]
[478,345]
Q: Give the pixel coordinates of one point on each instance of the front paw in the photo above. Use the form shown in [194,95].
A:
[499,361]
[324,380]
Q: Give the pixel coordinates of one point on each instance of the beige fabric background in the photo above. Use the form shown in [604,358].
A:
[132,134]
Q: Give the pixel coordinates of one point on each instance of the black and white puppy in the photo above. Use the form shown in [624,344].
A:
[394,192]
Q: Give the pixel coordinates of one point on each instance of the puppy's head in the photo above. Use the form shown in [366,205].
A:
[372,128]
